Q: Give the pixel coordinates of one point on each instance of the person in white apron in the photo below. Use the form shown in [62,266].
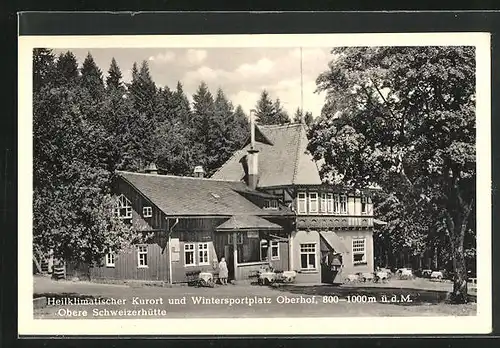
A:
[223,271]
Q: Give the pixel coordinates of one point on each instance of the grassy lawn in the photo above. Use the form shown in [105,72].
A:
[246,301]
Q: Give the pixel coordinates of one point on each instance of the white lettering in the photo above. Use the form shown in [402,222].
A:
[295,300]
[144,301]
[63,312]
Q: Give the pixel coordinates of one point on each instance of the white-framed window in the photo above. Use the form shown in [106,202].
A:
[142,256]
[263,250]
[275,250]
[301,203]
[336,204]
[271,204]
[323,206]
[329,200]
[239,238]
[359,250]
[123,208]
[203,254]
[313,202]
[110,259]
[147,212]
[364,204]
[189,255]
[343,204]
[308,256]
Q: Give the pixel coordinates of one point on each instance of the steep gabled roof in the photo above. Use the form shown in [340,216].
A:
[283,159]
[248,222]
[187,196]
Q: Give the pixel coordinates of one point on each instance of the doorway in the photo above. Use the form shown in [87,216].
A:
[331,267]
[229,255]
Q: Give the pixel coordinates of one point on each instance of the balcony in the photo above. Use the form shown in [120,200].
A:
[335,222]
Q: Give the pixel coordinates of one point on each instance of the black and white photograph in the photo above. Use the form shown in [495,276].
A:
[317,183]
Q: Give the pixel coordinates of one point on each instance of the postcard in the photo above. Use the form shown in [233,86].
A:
[255,184]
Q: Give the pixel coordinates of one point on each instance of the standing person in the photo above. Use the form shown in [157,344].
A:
[223,271]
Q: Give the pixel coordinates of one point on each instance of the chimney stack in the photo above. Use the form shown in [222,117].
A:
[199,172]
[151,169]
[252,156]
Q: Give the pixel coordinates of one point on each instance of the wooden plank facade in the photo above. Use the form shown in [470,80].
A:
[196,246]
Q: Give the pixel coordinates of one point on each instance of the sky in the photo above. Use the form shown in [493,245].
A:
[242,73]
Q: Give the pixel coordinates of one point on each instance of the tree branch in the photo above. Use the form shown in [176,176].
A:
[450,224]
[390,198]
[465,220]
[400,155]
[426,103]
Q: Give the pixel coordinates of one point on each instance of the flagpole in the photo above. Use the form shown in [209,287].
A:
[301,90]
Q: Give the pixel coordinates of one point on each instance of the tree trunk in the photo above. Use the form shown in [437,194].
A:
[435,258]
[459,294]
[457,225]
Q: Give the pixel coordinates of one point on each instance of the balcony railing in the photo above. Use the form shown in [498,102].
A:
[333,222]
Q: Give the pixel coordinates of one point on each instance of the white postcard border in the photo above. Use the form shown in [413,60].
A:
[481,323]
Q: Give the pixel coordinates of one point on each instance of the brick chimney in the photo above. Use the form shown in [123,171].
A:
[253,156]
[199,172]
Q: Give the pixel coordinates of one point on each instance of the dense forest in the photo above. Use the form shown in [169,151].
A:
[88,123]
[400,118]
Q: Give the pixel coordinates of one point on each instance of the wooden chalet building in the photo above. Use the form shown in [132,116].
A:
[266,204]
[202,220]
[333,228]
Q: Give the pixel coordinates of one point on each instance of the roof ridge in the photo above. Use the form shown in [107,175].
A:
[177,176]
[296,164]
[289,125]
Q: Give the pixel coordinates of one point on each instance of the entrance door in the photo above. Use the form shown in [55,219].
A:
[229,255]
[331,267]
[326,272]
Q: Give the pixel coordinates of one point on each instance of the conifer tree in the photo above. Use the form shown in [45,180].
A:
[182,106]
[280,116]
[240,128]
[142,91]
[91,78]
[308,118]
[298,116]
[203,113]
[264,109]
[219,145]
[177,148]
[66,69]
[44,65]
[114,78]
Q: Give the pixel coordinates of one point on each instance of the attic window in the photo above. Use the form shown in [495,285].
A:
[123,208]
[271,204]
[147,212]
[215,195]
